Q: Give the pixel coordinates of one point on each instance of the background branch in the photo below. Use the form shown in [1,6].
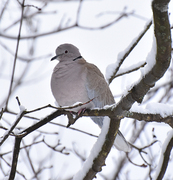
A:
[15,158]
[16,53]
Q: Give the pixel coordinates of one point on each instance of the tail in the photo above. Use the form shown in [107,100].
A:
[121,144]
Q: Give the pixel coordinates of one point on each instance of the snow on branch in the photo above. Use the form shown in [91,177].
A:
[164,158]
[158,112]
[130,69]
[94,152]
[154,108]
[163,56]
[112,69]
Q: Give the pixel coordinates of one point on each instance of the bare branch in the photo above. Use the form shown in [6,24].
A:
[3,9]
[151,117]
[24,58]
[15,57]
[54,148]
[60,108]
[138,165]
[60,29]
[15,158]
[28,5]
[30,161]
[8,132]
[29,16]
[78,12]
[29,145]
[41,123]
[131,70]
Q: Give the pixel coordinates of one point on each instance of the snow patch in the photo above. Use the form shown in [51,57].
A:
[110,69]
[134,66]
[95,151]
[22,108]
[153,108]
[159,108]
[151,59]
[109,106]
[164,146]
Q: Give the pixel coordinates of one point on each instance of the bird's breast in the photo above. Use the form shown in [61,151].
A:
[68,86]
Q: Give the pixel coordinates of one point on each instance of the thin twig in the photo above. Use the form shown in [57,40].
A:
[54,148]
[138,165]
[16,84]
[2,111]
[24,58]
[65,28]
[129,51]
[131,70]
[28,5]
[8,132]
[60,108]
[78,12]
[15,57]
[8,164]
[26,146]
[29,16]
[3,9]
[30,161]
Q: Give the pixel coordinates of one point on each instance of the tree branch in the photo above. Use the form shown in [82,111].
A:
[41,123]
[164,159]
[151,117]
[121,60]
[66,28]
[15,158]
[15,57]
[8,132]
[163,56]
[130,70]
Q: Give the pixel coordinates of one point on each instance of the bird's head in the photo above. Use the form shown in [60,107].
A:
[67,52]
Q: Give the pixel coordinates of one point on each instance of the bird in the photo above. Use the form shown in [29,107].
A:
[75,80]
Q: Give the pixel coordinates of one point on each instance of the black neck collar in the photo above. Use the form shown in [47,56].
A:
[77,58]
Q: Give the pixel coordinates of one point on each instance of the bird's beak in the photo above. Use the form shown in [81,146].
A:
[54,57]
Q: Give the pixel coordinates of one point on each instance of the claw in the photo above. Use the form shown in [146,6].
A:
[81,112]
[71,119]
[72,116]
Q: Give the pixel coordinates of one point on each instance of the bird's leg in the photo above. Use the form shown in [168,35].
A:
[81,112]
[73,116]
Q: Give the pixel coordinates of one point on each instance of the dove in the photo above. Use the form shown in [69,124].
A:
[75,80]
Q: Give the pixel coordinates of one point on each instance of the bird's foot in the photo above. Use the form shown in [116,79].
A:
[81,112]
[73,116]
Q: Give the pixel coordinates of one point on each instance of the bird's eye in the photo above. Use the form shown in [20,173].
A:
[66,51]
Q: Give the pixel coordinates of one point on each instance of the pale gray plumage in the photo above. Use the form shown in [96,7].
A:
[75,80]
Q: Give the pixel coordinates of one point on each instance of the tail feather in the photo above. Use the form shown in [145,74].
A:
[120,142]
